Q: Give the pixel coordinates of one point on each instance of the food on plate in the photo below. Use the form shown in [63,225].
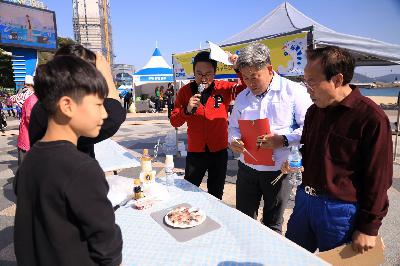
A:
[185,217]
[143,203]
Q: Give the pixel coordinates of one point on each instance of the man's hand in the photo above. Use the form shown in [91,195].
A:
[105,69]
[237,146]
[270,141]
[232,58]
[194,101]
[285,168]
[362,242]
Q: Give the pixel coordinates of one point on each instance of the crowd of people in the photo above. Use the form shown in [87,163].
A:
[72,103]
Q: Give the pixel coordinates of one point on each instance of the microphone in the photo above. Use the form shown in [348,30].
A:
[200,90]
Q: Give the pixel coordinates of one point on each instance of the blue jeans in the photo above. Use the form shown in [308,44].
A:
[320,222]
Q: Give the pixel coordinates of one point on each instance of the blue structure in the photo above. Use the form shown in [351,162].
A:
[24,62]
[25,28]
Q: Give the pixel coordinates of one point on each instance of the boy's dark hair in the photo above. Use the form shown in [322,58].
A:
[204,56]
[79,51]
[334,60]
[67,76]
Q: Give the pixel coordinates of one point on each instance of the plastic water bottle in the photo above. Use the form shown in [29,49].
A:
[169,170]
[295,164]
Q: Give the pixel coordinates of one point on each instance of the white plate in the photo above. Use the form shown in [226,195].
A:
[192,223]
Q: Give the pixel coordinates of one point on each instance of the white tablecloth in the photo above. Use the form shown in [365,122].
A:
[112,156]
[239,241]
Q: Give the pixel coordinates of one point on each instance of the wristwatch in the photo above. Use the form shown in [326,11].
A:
[285,141]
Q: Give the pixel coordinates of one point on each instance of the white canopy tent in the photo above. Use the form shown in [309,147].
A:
[286,19]
[155,72]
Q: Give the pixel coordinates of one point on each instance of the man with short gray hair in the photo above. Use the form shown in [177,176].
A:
[269,100]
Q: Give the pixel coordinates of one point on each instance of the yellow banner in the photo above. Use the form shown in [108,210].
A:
[287,57]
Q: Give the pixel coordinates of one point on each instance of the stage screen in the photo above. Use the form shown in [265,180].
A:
[28,27]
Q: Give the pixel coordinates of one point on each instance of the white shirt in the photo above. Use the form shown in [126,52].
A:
[285,105]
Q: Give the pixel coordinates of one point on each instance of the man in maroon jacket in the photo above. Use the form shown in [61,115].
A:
[347,159]
[206,115]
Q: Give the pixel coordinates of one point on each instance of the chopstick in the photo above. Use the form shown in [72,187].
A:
[273,182]
[245,150]
[123,203]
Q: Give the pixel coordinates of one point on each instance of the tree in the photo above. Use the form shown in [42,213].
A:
[6,72]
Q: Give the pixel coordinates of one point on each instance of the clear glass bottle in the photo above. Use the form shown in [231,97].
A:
[295,164]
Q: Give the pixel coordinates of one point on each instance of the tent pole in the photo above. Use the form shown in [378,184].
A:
[134,98]
[176,129]
[397,127]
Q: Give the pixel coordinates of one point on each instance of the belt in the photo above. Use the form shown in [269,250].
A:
[313,191]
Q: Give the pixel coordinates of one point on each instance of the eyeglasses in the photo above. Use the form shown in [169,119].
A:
[310,86]
[206,75]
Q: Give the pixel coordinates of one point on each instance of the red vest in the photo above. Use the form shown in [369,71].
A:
[209,125]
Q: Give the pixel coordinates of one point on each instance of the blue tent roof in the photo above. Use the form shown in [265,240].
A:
[154,71]
[156,52]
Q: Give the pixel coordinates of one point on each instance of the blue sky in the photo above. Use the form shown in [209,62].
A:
[180,25]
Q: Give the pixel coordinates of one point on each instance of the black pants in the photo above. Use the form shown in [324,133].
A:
[10,111]
[197,163]
[170,108]
[126,104]
[252,184]
[157,104]
[21,156]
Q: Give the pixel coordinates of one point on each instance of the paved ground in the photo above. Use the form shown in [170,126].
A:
[141,131]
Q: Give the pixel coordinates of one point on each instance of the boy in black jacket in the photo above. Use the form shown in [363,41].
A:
[63,216]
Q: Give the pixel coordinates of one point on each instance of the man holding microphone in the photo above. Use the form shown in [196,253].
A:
[203,105]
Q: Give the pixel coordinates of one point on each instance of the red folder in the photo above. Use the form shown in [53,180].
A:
[250,130]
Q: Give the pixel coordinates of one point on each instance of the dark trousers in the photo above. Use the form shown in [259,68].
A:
[320,222]
[252,184]
[157,104]
[126,104]
[21,156]
[10,111]
[197,163]
[170,108]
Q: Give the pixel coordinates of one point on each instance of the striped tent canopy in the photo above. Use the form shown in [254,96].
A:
[156,70]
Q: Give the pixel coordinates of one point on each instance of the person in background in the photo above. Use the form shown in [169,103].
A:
[23,93]
[23,137]
[128,99]
[3,122]
[284,103]
[9,104]
[63,216]
[347,158]
[116,113]
[206,116]
[162,99]
[169,94]
[157,98]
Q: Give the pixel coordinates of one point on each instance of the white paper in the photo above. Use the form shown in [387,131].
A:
[218,54]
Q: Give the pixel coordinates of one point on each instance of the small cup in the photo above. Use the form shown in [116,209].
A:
[169,159]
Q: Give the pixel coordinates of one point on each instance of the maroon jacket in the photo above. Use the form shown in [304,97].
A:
[348,155]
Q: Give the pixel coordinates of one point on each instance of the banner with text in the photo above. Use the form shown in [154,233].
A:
[287,57]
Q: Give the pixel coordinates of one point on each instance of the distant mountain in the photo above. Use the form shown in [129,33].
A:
[364,79]
[388,78]
[360,78]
